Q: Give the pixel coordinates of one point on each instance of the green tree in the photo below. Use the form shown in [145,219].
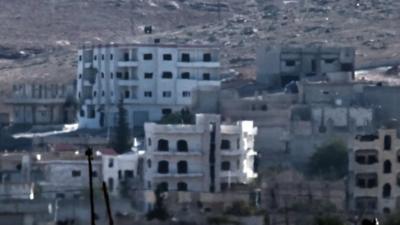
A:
[122,138]
[328,220]
[393,219]
[159,211]
[329,160]
[183,116]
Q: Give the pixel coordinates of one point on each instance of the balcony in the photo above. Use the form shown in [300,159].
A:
[28,100]
[123,82]
[178,175]
[176,153]
[198,64]
[130,63]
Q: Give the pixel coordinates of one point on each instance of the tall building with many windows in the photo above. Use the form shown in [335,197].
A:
[374,179]
[152,79]
[203,157]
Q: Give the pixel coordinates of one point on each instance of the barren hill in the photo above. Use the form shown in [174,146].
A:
[38,38]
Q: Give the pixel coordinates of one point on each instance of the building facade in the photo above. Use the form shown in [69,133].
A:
[278,66]
[203,157]
[42,104]
[153,80]
[374,165]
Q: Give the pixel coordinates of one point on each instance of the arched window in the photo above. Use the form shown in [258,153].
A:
[387,191]
[163,167]
[225,166]
[163,145]
[387,142]
[182,186]
[182,167]
[225,144]
[387,167]
[182,146]
[163,186]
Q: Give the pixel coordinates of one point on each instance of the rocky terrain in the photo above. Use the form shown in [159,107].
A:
[38,39]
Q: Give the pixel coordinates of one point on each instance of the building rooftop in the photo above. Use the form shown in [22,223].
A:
[132,45]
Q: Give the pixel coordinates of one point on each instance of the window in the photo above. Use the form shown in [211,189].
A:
[166,111]
[127,94]
[238,143]
[129,174]
[163,145]
[182,146]
[148,94]
[111,57]
[386,191]
[366,156]
[264,107]
[60,195]
[163,186]
[185,57]
[186,94]
[94,173]
[167,75]
[119,75]
[102,93]
[76,173]
[225,144]
[91,113]
[82,113]
[149,163]
[111,184]
[112,75]
[126,75]
[163,167]
[148,56]
[290,63]
[387,142]
[126,56]
[102,57]
[94,93]
[207,57]
[366,180]
[387,167]
[182,167]
[329,61]
[347,67]
[80,58]
[148,75]
[80,76]
[182,186]
[206,76]
[110,163]
[225,166]
[119,174]
[167,57]
[185,75]
[149,141]
[166,94]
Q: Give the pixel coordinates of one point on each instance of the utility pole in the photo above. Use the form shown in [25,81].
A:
[89,154]
[106,198]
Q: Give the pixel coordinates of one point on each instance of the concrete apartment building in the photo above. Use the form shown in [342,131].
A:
[277,66]
[207,156]
[41,104]
[374,165]
[153,80]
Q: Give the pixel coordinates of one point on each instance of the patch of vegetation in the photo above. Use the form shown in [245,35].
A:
[181,117]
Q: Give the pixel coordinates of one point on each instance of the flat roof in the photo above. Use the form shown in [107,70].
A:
[161,45]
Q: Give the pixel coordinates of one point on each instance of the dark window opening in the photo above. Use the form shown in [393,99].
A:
[313,65]
[206,76]
[148,75]
[387,142]
[112,75]
[166,94]
[119,174]
[387,167]
[148,94]
[329,61]
[290,63]
[207,57]
[110,163]
[224,186]
[348,67]
[185,75]
[119,75]
[386,191]
[182,146]
[111,184]
[264,107]
[167,75]
[225,144]
[80,76]
[149,141]
[127,94]
[126,75]
[82,113]
[163,167]
[185,57]
[163,145]
[163,186]
[166,111]
[182,186]
[167,57]
[111,57]
[129,174]
[95,57]
[80,58]
[102,57]
[126,56]
[149,163]
[225,166]
[182,167]
[148,56]
[94,173]
[76,173]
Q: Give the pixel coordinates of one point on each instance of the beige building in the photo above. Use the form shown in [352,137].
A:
[374,165]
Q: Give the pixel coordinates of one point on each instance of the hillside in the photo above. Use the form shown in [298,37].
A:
[38,39]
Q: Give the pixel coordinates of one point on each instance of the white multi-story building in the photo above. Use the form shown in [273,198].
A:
[203,157]
[152,79]
[374,166]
